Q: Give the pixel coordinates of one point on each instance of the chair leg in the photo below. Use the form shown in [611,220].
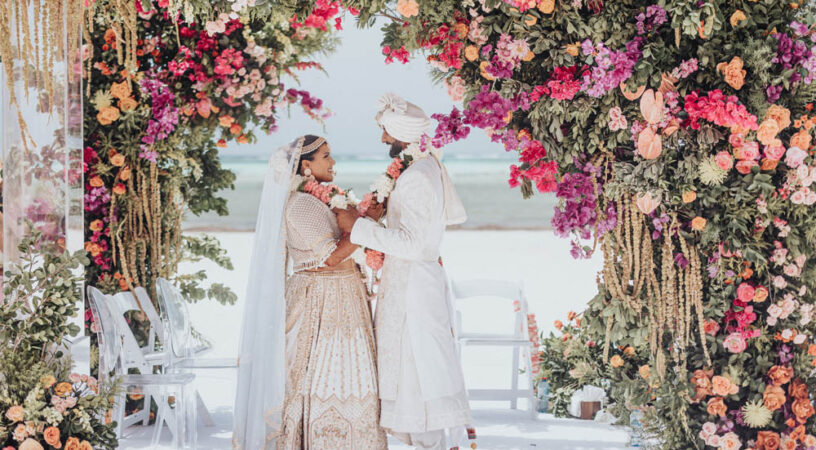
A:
[161,417]
[201,408]
[514,382]
[119,413]
[146,409]
[191,412]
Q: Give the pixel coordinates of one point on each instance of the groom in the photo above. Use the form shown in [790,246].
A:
[424,402]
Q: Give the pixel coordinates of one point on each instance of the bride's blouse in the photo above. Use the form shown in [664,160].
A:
[311,231]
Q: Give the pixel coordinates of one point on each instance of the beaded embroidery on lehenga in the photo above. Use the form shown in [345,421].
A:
[331,380]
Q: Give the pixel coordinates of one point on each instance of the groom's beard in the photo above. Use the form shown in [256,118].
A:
[396,149]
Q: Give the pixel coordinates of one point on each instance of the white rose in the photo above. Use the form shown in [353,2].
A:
[338,201]
[383,187]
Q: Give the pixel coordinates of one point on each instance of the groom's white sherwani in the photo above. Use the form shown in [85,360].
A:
[420,376]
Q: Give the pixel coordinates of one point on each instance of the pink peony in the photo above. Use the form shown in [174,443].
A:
[795,157]
[774,152]
[745,292]
[735,343]
[724,160]
[750,150]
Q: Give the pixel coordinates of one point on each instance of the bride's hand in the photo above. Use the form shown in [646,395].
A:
[375,211]
[346,218]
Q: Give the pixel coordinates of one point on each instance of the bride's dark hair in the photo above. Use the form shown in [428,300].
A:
[308,140]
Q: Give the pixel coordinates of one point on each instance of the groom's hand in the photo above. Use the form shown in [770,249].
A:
[346,219]
[375,211]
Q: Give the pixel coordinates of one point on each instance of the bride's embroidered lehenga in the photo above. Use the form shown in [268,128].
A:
[331,399]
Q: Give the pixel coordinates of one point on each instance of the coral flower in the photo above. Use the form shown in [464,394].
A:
[716,407]
[616,361]
[774,397]
[733,72]
[408,8]
[698,223]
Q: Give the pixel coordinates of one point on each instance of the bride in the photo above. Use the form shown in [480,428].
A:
[307,371]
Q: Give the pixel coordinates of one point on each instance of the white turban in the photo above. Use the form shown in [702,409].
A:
[404,121]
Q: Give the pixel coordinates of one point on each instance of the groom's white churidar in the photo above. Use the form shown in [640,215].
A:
[424,401]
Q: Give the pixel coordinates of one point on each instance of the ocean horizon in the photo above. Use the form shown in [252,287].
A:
[480,180]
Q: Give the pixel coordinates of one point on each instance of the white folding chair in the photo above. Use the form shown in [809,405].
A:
[185,355]
[518,340]
[112,332]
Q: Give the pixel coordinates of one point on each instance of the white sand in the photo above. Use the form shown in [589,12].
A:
[555,284]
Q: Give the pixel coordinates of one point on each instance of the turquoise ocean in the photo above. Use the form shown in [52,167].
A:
[481,183]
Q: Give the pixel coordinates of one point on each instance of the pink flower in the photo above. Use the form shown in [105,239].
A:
[617,121]
[365,204]
[736,140]
[749,150]
[456,88]
[395,169]
[795,156]
[724,160]
[735,343]
[774,152]
[374,259]
[745,292]
[779,282]
[744,166]
[798,197]
[791,270]
[775,311]
[709,428]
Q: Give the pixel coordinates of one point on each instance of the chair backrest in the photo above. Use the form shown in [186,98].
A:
[502,290]
[107,333]
[178,318]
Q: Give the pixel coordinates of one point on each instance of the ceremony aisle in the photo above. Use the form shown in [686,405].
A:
[539,258]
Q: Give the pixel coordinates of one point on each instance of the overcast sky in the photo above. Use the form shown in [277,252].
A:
[356,77]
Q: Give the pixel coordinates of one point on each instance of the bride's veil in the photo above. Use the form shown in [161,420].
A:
[261,364]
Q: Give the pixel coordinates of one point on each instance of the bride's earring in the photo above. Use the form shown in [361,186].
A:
[307,172]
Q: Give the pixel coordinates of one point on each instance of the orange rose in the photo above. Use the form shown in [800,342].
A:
[128,104]
[30,444]
[644,371]
[120,90]
[528,57]
[221,143]
[629,351]
[242,139]
[15,414]
[93,249]
[546,6]
[616,361]
[733,72]
[52,437]
[72,444]
[118,160]
[780,375]
[96,225]
[774,397]
[235,129]
[736,18]
[711,327]
[108,115]
[767,131]
[798,389]
[571,315]
[461,30]
[801,139]
[63,389]
[124,174]
[573,49]
[558,325]
[530,20]
[471,53]
[225,120]
[119,189]
[767,440]
[483,71]
[798,434]
[85,445]
[698,223]
[689,196]
[48,381]
[780,114]
[768,164]
[802,409]
[723,386]
[716,407]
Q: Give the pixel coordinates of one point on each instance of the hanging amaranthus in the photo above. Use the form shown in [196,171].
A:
[673,291]
[38,50]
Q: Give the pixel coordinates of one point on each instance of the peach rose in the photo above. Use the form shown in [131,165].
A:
[774,397]
[546,6]
[96,225]
[644,371]
[108,115]
[128,104]
[802,409]
[31,444]
[629,351]
[730,441]
[120,90]
[558,324]
[798,389]
[471,53]
[408,8]
[689,196]
[723,386]
[573,49]
[780,114]
[616,361]
[49,380]
[801,139]
[124,174]
[711,327]
[769,164]
[716,407]
[698,223]
[15,414]
[767,131]
[119,189]
[810,440]
[63,389]
[760,294]
[767,440]
[221,143]
[780,375]
[85,445]
[744,167]
[118,160]
[52,437]
[737,17]
[242,139]
[236,129]
[72,444]
[724,160]
[226,120]
[733,72]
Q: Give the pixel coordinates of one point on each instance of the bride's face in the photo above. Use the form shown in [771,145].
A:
[321,165]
